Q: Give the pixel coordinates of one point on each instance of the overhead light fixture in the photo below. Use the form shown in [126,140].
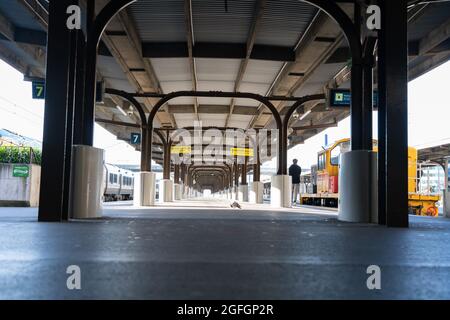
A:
[305,115]
[121,110]
[130,111]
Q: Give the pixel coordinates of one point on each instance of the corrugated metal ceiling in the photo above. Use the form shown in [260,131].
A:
[159,20]
[284,21]
[213,24]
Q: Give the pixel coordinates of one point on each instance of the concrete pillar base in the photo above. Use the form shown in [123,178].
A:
[358,197]
[280,191]
[243,193]
[256,192]
[177,191]
[87,182]
[144,189]
[165,190]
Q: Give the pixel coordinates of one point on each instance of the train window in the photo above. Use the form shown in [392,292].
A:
[111,178]
[337,151]
[115,178]
[321,162]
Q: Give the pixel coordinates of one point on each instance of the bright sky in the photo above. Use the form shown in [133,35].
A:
[429,114]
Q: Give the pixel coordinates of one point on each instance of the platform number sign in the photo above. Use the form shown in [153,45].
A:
[135,138]
[38,88]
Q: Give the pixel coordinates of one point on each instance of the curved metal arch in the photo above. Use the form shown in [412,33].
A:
[104,17]
[93,39]
[288,116]
[221,170]
[145,162]
[136,104]
[329,7]
[333,10]
[220,94]
[206,167]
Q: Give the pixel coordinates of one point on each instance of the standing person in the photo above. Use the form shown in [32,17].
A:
[295,171]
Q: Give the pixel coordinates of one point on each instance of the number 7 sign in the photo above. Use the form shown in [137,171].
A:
[135,138]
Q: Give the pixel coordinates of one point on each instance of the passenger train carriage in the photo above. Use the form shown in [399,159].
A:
[118,183]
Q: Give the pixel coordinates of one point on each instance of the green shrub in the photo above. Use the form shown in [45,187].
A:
[10,154]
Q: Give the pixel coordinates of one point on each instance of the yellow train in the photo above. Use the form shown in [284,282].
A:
[323,190]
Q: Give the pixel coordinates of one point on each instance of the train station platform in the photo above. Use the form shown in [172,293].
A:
[203,249]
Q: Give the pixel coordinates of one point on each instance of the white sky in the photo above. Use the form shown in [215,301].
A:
[428,117]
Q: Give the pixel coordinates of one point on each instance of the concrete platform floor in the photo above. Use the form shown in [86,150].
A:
[186,251]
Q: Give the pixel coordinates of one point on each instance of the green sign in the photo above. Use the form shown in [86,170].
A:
[38,88]
[135,138]
[22,171]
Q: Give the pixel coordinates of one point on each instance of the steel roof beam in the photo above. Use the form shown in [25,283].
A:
[217,50]
[259,12]
[190,45]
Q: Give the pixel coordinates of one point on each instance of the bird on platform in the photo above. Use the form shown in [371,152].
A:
[235,205]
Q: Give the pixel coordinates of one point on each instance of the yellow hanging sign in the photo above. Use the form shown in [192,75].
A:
[180,149]
[242,152]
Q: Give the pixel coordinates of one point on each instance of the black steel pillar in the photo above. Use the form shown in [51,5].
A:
[176,174]
[393,113]
[236,175]
[183,173]
[166,161]
[367,106]
[69,123]
[244,172]
[90,77]
[51,200]
[79,88]
[357,118]
[356,108]
[257,170]
[145,160]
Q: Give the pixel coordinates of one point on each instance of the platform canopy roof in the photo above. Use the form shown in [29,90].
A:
[271,47]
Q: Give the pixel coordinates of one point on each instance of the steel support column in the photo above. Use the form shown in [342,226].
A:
[367,106]
[71,91]
[393,117]
[183,173]
[166,161]
[244,172]
[51,199]
[176,173]
[257,168]
[236,175]
[356,107]
[79,88]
